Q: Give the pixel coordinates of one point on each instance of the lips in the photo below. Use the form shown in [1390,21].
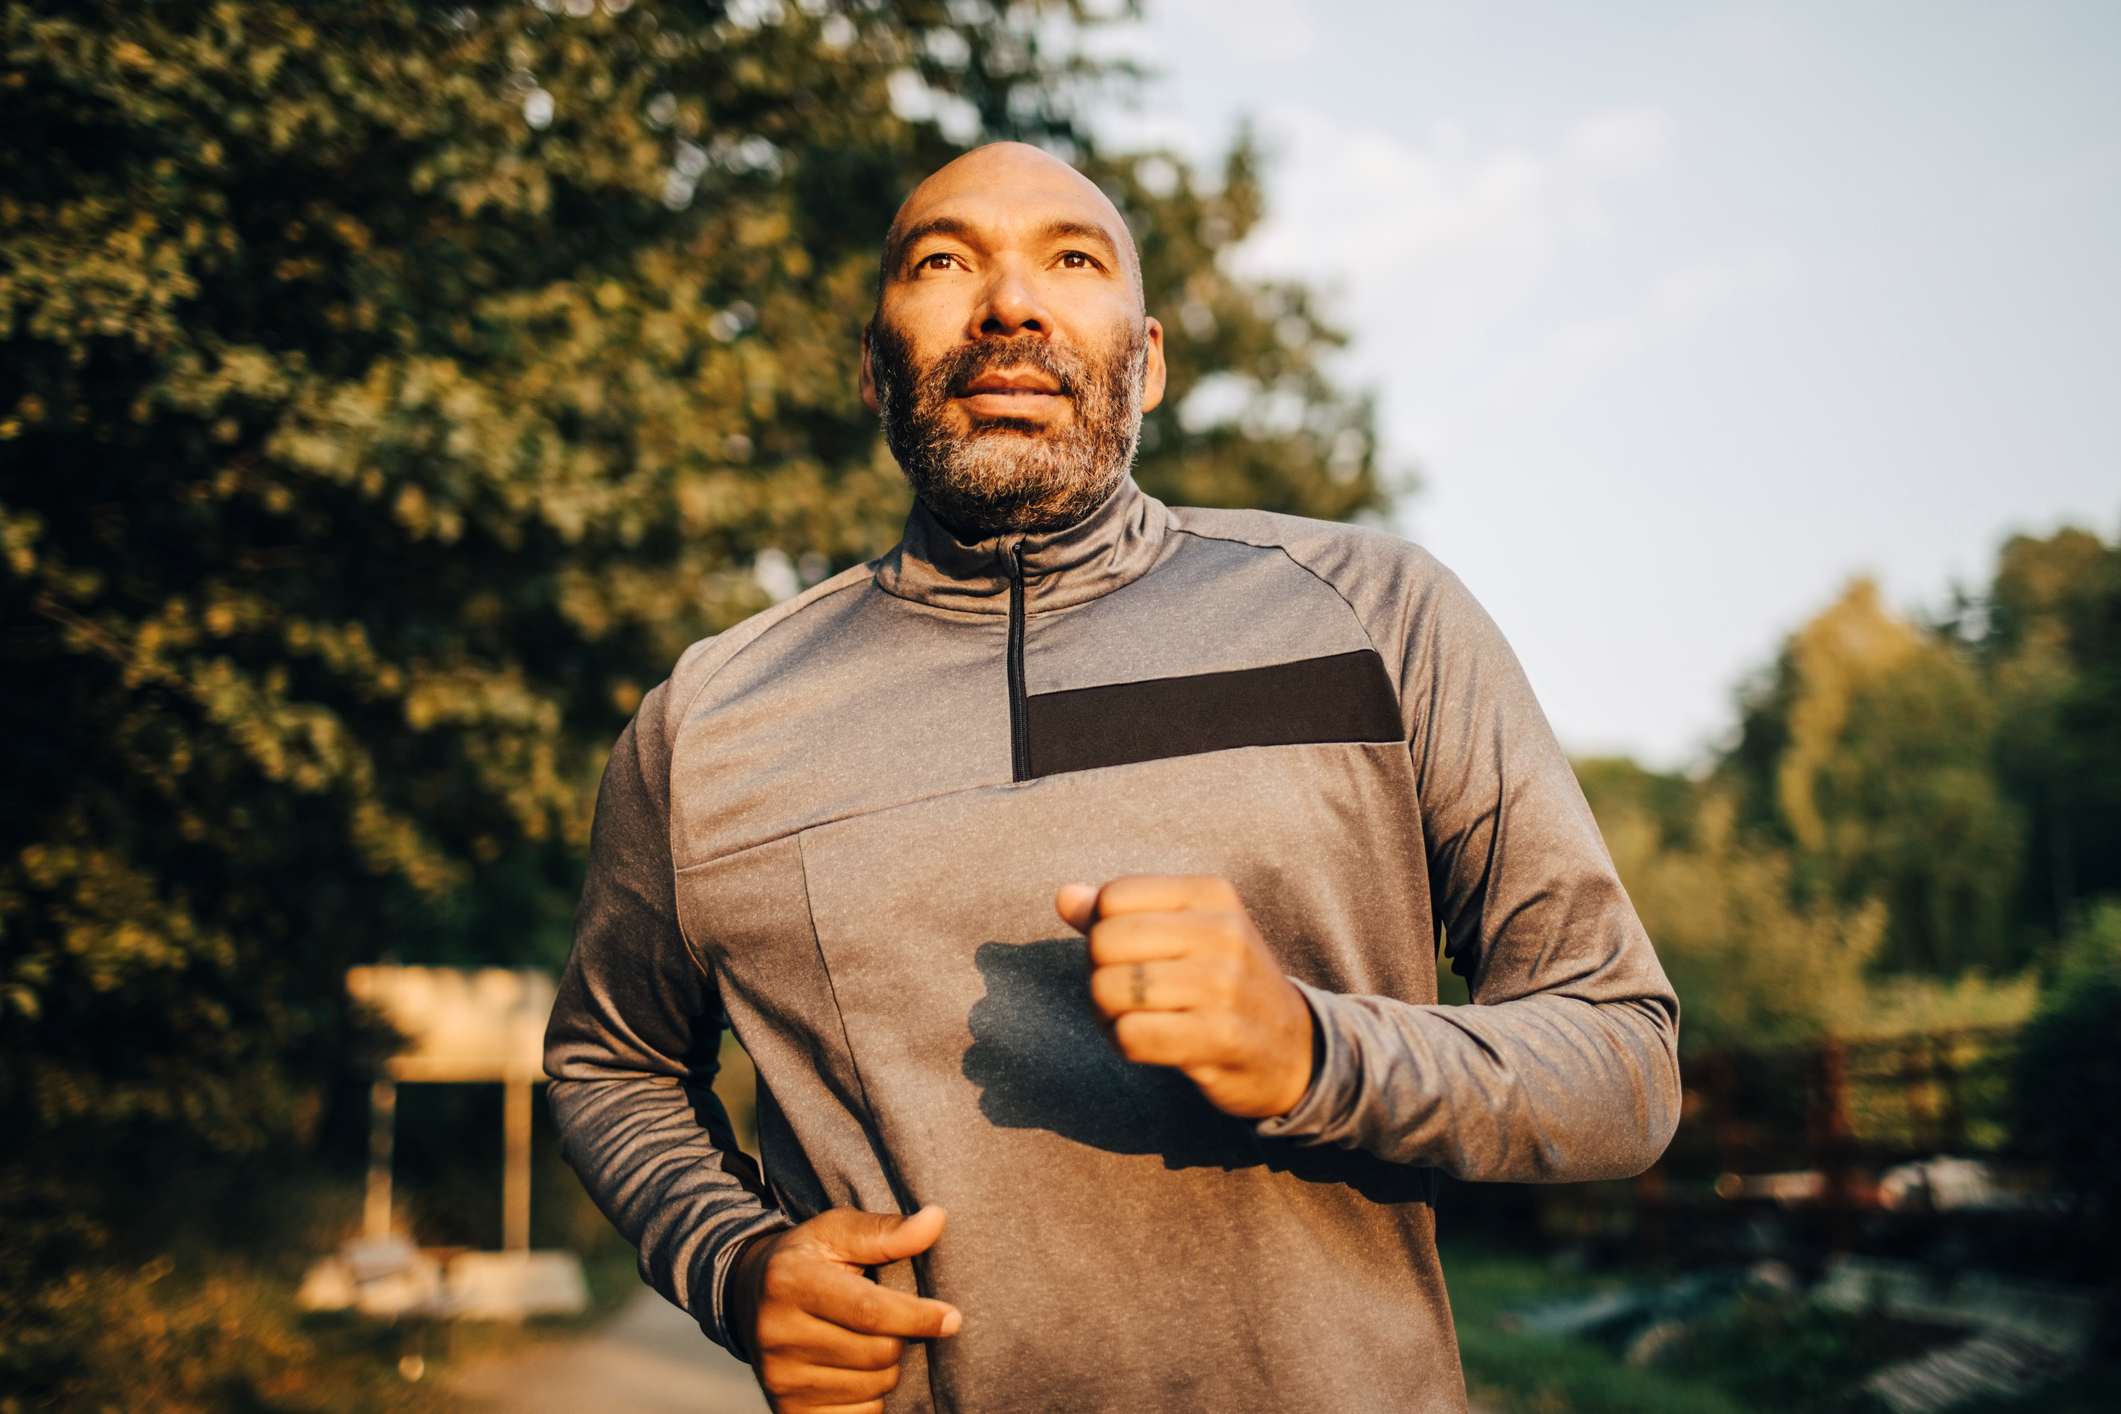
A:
[1010,382]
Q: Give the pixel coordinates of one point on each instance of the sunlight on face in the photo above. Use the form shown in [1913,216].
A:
[1009,356]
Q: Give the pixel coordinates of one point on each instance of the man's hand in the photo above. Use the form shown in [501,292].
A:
[822,1334]
[1183,979]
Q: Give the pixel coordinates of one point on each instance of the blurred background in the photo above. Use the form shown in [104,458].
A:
[389,392]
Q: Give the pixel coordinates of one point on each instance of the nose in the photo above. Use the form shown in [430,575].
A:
[1010,304]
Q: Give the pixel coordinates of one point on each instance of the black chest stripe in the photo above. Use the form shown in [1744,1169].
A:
[1341,697]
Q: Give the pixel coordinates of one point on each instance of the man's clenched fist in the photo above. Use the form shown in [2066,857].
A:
[822,1334]
[1183,979]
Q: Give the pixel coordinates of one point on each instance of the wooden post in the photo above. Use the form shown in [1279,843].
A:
[515,1177]
[382,1139]
[1954,1102]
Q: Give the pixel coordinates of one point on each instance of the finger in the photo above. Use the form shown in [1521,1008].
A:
[874,1239]
[812,1385]
[1167,893]
[1173,1038]
[1166,985]
[859,1304]
[1141,937]
[794,1332]
[1077,905]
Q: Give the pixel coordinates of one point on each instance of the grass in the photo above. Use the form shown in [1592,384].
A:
[1523,1373]
[1761,1351]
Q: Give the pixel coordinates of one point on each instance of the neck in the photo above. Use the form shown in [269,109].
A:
[972,519]
[961,568]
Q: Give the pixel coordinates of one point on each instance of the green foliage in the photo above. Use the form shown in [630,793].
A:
[2048,635]
[1757,962]
[1871,754]
[1966,774]
[1753,967]
[391,392]
[2067,1084]
[1511,1369]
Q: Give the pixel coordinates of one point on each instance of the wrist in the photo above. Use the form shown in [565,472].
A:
[1311,1048]
[742,1292]
[1303,1073]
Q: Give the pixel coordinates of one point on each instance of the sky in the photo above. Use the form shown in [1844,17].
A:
[1686,314]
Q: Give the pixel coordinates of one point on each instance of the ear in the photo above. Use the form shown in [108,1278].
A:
[1153,364]
[869,398]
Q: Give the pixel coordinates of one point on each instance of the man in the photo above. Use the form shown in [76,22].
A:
[1074,875]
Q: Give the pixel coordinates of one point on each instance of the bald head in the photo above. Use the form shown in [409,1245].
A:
[1010,356]
[1009,177]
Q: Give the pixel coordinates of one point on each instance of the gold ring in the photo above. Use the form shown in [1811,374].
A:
[1141,987]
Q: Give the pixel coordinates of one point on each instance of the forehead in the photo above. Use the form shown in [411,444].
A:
[1001,198]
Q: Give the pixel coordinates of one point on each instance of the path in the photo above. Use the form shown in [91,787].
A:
[648,1359]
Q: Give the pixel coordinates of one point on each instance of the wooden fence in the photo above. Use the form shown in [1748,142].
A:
[1846,1104]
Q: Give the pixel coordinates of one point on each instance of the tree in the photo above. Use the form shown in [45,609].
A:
[1870,753]
[392,391]
[2047,636]
[1757,962]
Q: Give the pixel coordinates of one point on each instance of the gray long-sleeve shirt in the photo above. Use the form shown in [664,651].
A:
[838,828]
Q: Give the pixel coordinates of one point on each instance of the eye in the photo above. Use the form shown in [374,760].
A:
[1079,260]
[927,262]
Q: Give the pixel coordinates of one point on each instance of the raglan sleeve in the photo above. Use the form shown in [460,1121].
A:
[1566,1066]
[631,1050]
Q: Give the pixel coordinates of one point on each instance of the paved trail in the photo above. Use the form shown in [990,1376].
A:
[648,1359]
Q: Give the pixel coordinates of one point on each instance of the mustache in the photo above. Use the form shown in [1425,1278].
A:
[957,369]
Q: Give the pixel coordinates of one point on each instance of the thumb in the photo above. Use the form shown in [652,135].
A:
[873,1239]
[1077,906]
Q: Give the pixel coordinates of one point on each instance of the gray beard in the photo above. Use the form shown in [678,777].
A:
[1006,477]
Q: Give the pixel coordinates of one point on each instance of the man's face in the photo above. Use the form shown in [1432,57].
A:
[1009,356]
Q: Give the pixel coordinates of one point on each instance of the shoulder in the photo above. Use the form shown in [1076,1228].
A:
[1332,549]
[1396,587]
[699,664]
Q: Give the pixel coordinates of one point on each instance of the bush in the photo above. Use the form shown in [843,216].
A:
[2067,1086]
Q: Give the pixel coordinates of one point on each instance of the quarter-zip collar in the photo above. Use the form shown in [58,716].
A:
[1113,545]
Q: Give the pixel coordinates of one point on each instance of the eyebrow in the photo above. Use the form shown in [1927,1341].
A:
[951,226]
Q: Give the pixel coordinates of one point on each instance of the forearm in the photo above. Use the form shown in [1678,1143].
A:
[630,1050]
[1547,1088]
[686,1196]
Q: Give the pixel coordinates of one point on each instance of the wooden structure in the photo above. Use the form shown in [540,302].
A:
[457,1026]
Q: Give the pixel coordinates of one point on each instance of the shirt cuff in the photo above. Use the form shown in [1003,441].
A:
[715,1322]
[1331,1077]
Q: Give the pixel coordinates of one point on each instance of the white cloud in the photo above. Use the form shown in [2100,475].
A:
[1677,303]
[1621,139]
[1252,29]
[1353,198]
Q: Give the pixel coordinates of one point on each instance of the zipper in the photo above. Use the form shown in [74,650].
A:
[1019,718]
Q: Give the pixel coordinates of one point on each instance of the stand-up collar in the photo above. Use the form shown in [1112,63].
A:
[1109,547]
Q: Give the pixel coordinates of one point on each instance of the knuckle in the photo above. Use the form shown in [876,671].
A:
[772,1332]
[885,1354]
[777,1377]
[1112,991]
